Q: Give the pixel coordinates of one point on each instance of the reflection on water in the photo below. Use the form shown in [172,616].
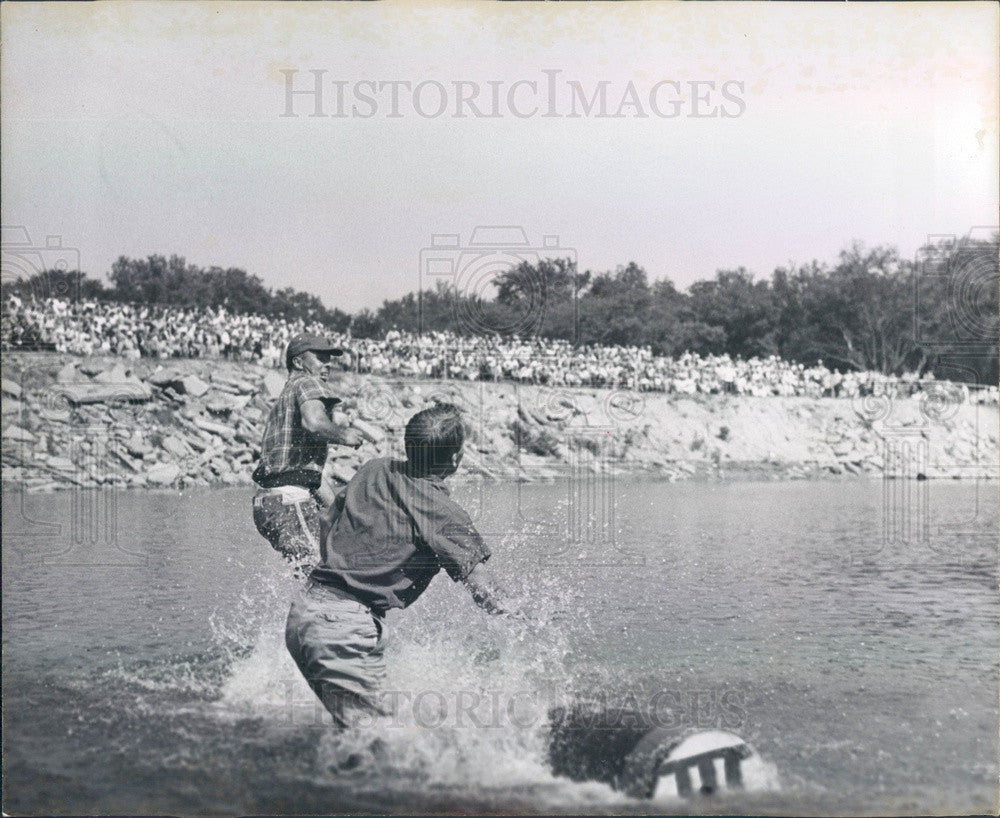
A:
[144,669]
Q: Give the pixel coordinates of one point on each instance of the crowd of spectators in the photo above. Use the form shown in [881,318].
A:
[134,331]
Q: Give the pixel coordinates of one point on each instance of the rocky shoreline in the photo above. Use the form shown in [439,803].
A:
[72,422]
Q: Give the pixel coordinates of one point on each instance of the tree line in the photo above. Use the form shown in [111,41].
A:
[870,310]
[162,281]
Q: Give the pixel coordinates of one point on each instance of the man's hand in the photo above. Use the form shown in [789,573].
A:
[489,594]
[316,420]
[351,437]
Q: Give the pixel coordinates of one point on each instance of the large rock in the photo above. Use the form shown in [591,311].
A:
[11,407]
[239,385]
[13,432]
[273,384]
[369,431]
[69,373]
[163,474]
[61,463]
[224,404]
[194,386]
[84,393]
[10,387]
[91,367]
[137,445]
[174,445]
[115,374]
[166,377]
[214,427]
[843,449]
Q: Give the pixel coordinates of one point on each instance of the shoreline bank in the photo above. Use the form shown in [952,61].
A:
[71,422]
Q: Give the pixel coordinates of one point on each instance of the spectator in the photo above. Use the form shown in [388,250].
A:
[95,327]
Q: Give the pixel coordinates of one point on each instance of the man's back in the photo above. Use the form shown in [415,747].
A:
[390,531]
[289,453]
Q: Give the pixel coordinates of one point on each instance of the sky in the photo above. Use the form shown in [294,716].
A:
[732,134]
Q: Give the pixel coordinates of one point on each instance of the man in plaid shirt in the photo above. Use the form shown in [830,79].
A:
[286,507]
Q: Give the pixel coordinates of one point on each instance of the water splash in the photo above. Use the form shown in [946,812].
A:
[469,694]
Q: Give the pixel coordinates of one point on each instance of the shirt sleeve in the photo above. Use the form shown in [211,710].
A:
[448,531]
[309,387]
[329,516]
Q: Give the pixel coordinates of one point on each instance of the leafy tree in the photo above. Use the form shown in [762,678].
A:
[615,309]
[742,308]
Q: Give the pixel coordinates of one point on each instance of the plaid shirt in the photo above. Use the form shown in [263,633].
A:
[290,455]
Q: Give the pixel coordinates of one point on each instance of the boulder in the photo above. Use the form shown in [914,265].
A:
[197,443]
[85,393]
[165,377]
[61,463]
[843,449]
[224,404]
[219,465]
[176,446]
[194,386]
[273,384]
[213,427]
[163,474]
[369,431]
[13,432]
[91,367]
[240,386]
[11,388]
[137,445]
[229,389]
[115,374]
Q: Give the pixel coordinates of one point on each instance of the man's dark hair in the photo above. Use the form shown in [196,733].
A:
[433,436]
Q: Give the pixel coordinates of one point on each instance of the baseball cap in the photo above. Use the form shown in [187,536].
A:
[306,342]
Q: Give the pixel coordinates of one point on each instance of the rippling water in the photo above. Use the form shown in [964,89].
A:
[853,644]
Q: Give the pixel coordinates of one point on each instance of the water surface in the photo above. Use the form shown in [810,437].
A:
[144,669]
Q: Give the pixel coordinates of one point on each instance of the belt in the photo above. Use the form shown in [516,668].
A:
[339,593]
[290,495]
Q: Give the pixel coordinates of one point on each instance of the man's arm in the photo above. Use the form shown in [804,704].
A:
[488,593]
[316,421]
[328,517]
